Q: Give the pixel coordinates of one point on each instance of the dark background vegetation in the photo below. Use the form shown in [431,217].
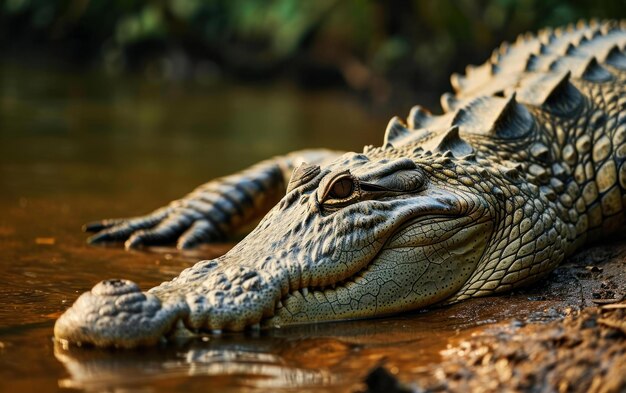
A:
[378,49]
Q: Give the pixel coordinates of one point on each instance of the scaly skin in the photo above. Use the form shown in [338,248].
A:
[524,166]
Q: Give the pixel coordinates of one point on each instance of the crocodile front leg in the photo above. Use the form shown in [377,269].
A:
[213,211]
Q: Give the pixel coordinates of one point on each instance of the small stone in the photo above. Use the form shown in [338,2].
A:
[594,269]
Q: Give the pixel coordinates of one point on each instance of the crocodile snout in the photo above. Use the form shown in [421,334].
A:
[208,296]
[116,313]
[231,297]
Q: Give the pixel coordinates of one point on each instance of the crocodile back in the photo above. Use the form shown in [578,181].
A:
[552,106]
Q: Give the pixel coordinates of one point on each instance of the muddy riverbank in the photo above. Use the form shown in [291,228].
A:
[577,344]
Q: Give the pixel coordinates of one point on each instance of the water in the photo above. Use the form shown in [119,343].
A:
[79,147]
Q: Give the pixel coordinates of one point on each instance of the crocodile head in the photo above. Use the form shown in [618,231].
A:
[364,237]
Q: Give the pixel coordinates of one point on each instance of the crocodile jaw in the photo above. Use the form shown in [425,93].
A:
[250,284]
[402,276]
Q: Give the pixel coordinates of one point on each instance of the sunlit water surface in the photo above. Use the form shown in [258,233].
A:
[75,148]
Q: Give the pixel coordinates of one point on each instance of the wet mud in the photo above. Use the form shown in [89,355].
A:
[577,344]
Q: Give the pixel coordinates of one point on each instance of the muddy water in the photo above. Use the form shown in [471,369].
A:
[75,148]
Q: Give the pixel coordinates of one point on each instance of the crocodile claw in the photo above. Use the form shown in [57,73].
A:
[97,226]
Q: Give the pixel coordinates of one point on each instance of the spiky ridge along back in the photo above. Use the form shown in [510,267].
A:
[548,113]
[552,106]
[579,50]
[541,71]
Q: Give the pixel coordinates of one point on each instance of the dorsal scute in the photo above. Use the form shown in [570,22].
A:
[457,81]
[546,35]
[610,51]
[541,63]
[396,130]
[452,143]
[581,41]
[542,89]
[601,44]
[616,57]
[448,102]
[586,68]
[498,117]
[420,122]
[538,72]
[590,50]
[419,117]
[592,71]
[569,50]
[532,62]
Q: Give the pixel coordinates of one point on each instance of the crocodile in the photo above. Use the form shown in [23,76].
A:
[525,164]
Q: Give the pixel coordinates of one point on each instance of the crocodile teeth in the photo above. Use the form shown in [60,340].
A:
[305,291]
[279,305]
[216,331]
[256,326]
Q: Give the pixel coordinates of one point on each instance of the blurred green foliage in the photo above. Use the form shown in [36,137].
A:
[371,46]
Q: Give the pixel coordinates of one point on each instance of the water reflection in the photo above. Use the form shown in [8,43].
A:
[251,363]
[333,356]
[260,370]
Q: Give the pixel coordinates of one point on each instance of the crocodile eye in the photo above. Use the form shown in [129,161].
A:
[342,188]
[339,190]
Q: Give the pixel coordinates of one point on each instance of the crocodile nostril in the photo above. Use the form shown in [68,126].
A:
[115,287]
[117,313]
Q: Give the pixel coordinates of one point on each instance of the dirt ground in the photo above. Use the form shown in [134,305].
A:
[577,345]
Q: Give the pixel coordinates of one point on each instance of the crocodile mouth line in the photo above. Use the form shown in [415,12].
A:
[304,291]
